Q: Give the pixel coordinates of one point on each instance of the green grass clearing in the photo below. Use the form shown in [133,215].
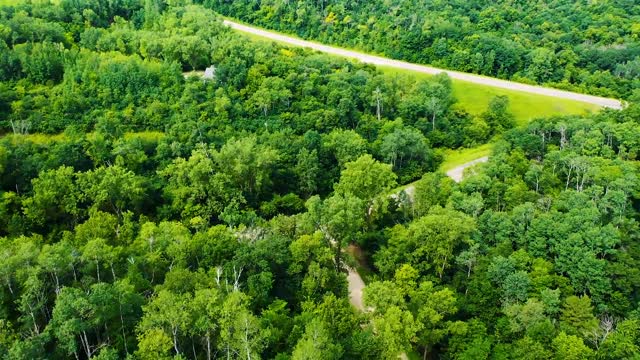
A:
[453,158]
[474,98]
[198,73]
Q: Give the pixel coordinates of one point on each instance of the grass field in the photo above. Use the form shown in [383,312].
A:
[193,73]
[453,158]
[525,107]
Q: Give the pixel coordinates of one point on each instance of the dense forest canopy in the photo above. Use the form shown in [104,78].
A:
[147,212]
[586,46]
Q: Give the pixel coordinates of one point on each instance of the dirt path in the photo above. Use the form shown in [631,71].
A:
[477,79]
[457,172]
[356,285]
[354,280]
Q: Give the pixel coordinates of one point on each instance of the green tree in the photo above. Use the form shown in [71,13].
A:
[99,253]
[55,198]
[571,347]
[431,307]
[154,344]
[498,116]
[369,181]
[271,95]
[577,316]
[308,170]
[432,190]
[113,188]
[57,259]
[345,145]
[542,65]
[316,343]
[429,243]
[205,309]
[339,218]
[247,164]
[42,62]
[406,147]
[72,322]
[623,343]
[196,189]
[240,331]
[168,312]
[397,330]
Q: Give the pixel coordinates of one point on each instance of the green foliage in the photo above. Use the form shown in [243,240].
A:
[153,214]
[316,344]
[497,116]
[428,243]
[41,62]
[571,347]
[366,179]
[568,45]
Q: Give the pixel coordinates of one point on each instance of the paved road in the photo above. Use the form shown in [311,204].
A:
[477,79]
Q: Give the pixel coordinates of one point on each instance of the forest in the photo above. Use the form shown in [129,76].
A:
[148,212]
[584,46]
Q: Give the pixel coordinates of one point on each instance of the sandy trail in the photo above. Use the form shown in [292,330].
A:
[472,78]
[356,285]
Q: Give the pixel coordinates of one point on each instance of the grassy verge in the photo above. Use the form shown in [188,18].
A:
[453,158]
[474,99]
[193,73]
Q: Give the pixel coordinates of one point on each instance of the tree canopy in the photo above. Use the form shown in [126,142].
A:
[147,212]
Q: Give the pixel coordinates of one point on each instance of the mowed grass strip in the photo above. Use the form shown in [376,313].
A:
[457,157]
[474,99]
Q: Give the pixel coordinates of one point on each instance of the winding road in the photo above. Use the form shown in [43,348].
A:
[472,78]
[354,280]
[356,284]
